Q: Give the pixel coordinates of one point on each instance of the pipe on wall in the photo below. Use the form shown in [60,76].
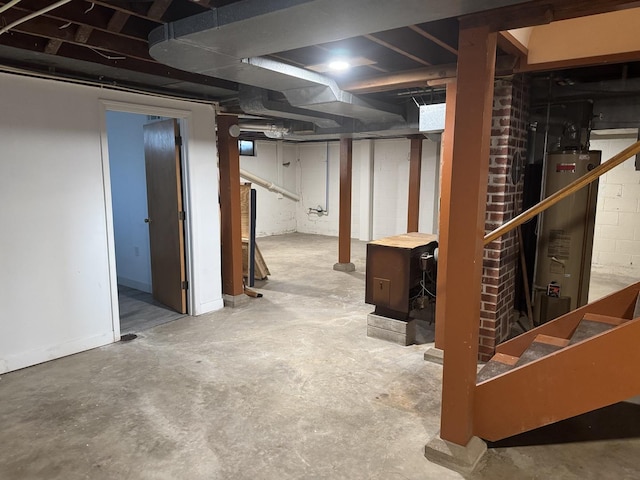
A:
[272,187]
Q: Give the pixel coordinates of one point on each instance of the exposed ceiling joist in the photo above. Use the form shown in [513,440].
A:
[511,45]
[540,12]
[388,45]
[117,21]
[434,39]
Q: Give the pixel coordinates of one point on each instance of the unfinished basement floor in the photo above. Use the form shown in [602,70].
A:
[287,386]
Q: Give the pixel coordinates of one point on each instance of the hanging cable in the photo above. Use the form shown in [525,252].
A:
[33,15]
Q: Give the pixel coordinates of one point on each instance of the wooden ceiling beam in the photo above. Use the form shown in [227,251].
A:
[52,47]
[397,50]
[541,12]
[72,16]
[624,57]
[77,52]
[158,9]
[511,45]
[434,39]
[83,33]
[50,29]
[421,77]
[125,8]
[117,21]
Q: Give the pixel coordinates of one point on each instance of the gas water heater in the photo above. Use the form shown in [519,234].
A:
[565,237]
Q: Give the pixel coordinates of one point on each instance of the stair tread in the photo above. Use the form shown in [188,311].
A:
[491,369]
[548,339]
[535,351]
[596,317]
[587,329]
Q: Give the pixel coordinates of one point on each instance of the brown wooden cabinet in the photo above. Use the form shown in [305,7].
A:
[393,272]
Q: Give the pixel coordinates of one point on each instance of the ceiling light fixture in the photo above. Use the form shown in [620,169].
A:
[338,65]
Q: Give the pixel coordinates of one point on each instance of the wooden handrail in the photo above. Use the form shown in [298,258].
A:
[564,192]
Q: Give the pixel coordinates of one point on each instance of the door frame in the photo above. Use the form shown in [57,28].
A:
[184,118]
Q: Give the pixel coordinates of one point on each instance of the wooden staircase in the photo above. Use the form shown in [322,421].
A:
[582,361]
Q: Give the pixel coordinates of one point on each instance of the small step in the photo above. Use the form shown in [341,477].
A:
[499,364]
[541,346]
[593,324]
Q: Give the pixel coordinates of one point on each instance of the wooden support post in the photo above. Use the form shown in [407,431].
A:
[344,222]
[230,211]
[415,167]
[465,204]
[446,162]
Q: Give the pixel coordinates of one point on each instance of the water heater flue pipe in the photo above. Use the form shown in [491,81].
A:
[268,185]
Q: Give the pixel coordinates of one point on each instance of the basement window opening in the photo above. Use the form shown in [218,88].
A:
[247,148]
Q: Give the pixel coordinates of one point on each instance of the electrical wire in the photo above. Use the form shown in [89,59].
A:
[33,15]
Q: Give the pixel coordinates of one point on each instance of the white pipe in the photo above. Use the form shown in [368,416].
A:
[268,185]
[33,15]
[6,7]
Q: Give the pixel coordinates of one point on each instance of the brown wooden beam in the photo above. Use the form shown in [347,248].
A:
[465,229]
[99,40]
[511,45]
[397,50]
[52,47]
[98,17]
[541,12]
[82,34]
[344,220]
[420,77]
[415,168]
[624,57]
[117,21]
[434,39]
[158,8]
[78,52]
[446,163]
[230,212]
[411,78]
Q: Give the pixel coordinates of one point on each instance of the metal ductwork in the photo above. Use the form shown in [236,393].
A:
[227,43]
[256,101]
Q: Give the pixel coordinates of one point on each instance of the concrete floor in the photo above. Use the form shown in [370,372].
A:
[285,387]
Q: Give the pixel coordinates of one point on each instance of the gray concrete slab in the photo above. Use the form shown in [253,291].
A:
[287,386]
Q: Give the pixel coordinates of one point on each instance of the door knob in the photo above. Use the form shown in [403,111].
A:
[147,220]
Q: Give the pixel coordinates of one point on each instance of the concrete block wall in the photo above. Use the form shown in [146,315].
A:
[504,201]
[616,243]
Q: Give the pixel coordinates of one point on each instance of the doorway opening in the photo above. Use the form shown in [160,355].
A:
[145,170]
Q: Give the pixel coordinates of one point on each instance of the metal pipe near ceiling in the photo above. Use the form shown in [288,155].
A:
[7,6]
[272,187]
[33,15]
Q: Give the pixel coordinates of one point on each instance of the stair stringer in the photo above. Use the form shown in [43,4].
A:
[618,304]
[579,378]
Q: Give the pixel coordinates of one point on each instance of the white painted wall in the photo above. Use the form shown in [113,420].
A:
[312,180]
[275,162]
[125,136]
[616,246]
[379,187]
[57,264]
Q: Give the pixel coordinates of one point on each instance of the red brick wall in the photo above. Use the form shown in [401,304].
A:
[504,200]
